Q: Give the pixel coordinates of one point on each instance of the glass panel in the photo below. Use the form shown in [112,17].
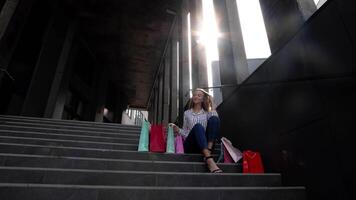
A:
[253,29]
[208,37]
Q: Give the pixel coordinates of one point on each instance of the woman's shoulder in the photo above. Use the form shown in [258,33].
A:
[213,113]
[187,112]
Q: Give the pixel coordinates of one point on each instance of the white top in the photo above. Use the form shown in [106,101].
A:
[191,118]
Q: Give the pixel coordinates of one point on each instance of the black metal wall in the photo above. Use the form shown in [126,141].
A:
[298,109]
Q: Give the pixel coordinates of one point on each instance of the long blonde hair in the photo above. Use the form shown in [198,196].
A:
[208,102]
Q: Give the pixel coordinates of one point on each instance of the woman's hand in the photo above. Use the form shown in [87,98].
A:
[175,128]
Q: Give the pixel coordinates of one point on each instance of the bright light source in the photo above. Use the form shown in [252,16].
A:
[208,37]
[253,29]
[316,2]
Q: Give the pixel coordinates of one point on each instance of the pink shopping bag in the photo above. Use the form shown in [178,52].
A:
[231,153]
[179,144]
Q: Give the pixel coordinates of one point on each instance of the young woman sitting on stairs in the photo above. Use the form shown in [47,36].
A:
[200,127]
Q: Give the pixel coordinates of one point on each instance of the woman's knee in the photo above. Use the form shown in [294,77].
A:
[214,119]
[198,128]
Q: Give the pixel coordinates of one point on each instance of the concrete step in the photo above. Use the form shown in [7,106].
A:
[45,139]
[133,178]
[65,122]
[68,143]
[71,127]
[43,161]
[124,134]
[34,134]
[18,148]
[59,192]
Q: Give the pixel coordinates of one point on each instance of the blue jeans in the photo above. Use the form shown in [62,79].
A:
[198,138]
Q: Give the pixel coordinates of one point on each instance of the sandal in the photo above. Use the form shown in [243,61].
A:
[218,170]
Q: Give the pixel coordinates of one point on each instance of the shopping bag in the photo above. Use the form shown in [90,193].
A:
[179,144]
[231,153]
[221,156]
[227,157]
[157,139]
[144,136]
[252,162]
[170,148]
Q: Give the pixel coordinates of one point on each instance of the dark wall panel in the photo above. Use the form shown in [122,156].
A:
[282,19]
[298,109]
[329,50]
[347,10]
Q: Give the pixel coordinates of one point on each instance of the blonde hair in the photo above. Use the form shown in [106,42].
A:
[208,102]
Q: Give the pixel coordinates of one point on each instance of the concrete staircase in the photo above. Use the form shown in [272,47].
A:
[58,159]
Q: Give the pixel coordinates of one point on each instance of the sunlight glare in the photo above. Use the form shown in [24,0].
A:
[253,29]
[208,37]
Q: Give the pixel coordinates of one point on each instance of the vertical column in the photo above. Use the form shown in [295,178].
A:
[200,72]
[185,75]
[307,8]
[40,86]
[6,14]
[160,99]
[56,99]
[226,56]
[156,107]
[284,18]
[10,28]
[174,85]
[166,85]
[238,48]
[101,93]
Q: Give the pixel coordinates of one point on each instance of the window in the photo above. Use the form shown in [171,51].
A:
[253,29]
[319,3]
[208,37]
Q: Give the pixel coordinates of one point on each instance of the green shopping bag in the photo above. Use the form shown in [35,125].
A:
[170,141]
[144,136]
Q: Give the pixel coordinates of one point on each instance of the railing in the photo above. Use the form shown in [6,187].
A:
[2,70]
[135,115]
[212,87]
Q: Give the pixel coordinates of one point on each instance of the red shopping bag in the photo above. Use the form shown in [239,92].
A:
[157,139]
[252,162]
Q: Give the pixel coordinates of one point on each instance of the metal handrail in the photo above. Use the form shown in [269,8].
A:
[212,87]
[7,73]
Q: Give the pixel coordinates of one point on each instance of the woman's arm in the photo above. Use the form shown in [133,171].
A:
[185,130]
[212,113]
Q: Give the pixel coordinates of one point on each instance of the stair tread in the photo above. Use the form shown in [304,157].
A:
[66,135]
[42,157]
[60,121]
[113,160]
[60,126]
[135,172]
[123,132]
[66,140]
[4,184]
[94,152]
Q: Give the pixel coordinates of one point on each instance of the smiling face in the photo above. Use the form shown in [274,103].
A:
[198,97]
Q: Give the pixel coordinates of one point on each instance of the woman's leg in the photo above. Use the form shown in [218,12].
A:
[212,131]
[197,140]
